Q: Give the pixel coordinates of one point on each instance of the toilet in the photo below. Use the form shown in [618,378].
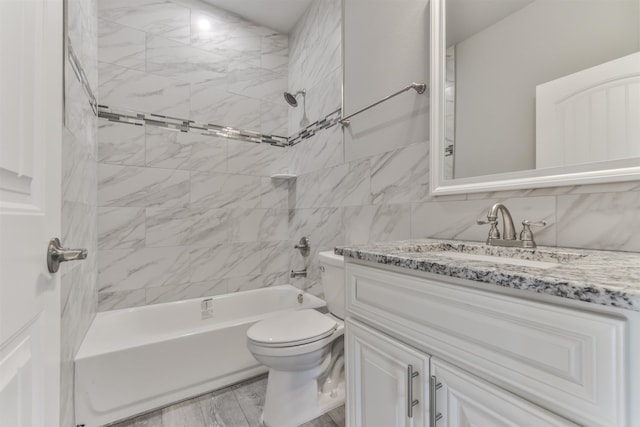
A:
[304,351]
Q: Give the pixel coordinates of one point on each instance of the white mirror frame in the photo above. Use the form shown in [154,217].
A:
[610,171]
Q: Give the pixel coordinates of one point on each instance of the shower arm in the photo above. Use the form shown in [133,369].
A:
[418,87]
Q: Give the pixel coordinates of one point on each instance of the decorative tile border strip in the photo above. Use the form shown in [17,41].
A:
[182,125]
[329,121]
[82,77]
[172,123]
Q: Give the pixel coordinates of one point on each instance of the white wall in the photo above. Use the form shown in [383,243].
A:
[386,48]
[498,69]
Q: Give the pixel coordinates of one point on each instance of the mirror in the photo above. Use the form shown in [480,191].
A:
[534,93]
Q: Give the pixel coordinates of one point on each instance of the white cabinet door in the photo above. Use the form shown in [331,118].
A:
[379,383]
[30,133]
[464,400]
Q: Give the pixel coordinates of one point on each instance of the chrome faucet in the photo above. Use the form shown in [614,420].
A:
[508,229]
[304,246]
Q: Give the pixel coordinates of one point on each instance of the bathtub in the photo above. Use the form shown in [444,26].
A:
[138,359]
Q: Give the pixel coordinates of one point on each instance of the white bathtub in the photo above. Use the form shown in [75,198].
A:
[134,360]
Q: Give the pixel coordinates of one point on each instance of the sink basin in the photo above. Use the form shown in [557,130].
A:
[498,259]
[539,257]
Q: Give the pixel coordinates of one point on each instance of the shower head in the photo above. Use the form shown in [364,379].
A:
[291,99]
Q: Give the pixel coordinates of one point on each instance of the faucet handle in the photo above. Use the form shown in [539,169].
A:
[526,235]
[493,232]
[527,223]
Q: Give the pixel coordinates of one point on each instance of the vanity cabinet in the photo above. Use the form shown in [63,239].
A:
[381,369]
[496,359]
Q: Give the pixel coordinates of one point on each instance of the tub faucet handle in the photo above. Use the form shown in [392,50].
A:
[303,246]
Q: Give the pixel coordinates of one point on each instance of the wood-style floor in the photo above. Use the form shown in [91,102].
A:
[236,406]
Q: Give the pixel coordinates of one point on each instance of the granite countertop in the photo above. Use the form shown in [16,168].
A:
[600,277]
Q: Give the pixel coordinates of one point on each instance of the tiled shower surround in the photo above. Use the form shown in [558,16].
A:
[182,215]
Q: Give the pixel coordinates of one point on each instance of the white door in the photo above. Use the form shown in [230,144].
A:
[379,375]
[463,400]
[30,133]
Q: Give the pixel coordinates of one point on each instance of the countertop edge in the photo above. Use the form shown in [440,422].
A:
[570,288]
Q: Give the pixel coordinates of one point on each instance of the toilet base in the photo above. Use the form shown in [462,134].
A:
[293,398]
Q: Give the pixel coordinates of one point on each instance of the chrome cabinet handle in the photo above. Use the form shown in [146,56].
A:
[57,254]
[434,416]
[410,402]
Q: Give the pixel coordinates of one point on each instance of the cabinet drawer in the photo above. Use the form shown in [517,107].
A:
[567,360]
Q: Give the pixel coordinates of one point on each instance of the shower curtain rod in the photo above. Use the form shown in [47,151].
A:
[418,87]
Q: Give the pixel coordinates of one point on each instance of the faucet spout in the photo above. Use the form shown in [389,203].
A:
[508,229]
[297,274]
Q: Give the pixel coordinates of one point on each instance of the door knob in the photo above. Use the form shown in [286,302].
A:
[57,254]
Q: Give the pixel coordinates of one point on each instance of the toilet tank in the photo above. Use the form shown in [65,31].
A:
[332,271]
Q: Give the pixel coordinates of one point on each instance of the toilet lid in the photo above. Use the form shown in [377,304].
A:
[294,328]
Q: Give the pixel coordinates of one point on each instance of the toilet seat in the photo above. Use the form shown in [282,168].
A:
[292,329]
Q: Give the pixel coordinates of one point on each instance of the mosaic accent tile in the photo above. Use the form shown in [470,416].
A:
[121,115]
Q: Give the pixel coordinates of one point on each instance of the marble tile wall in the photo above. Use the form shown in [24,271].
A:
[190,60]
[325,184]
[385,197]
[79,197]
[183,215]
[315,62]
[340,198]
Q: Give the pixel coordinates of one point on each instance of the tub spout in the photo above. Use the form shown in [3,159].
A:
[299,273]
